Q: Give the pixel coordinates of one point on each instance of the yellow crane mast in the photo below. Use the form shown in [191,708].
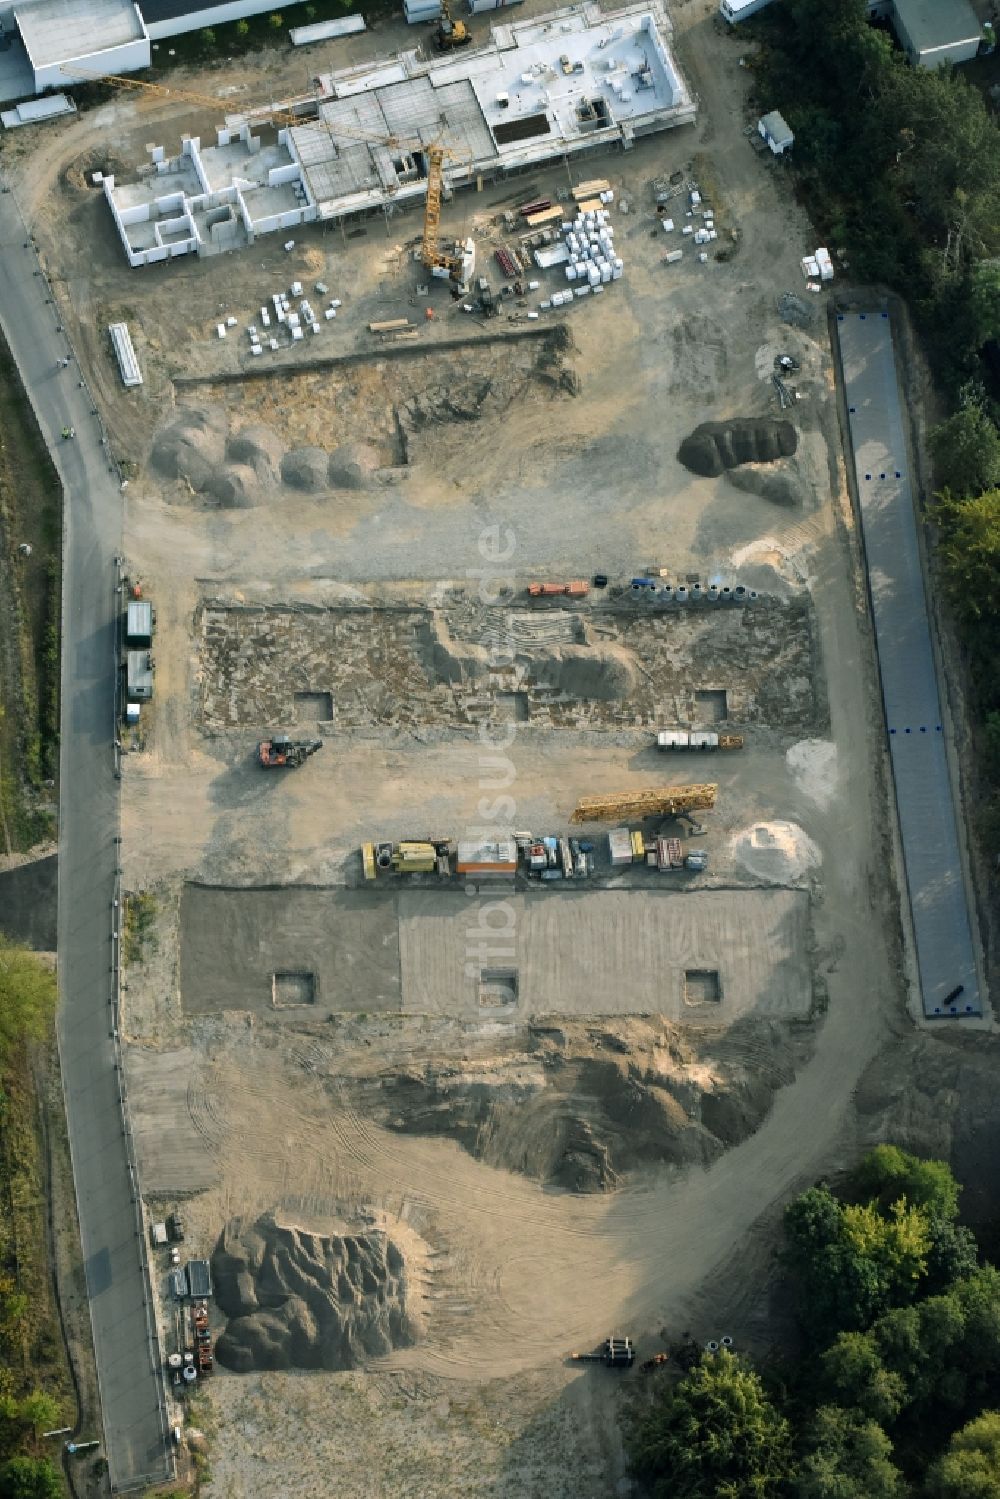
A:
[626,805]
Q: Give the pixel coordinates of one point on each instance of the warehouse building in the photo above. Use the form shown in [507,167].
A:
[930,32]
[51,44]
[540,90]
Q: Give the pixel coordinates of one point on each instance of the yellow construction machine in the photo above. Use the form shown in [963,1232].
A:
[450,34]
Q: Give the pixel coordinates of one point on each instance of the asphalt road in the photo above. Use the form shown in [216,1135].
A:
[127,1362]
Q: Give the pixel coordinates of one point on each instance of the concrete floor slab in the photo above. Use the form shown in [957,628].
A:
[935,875]
[606,952]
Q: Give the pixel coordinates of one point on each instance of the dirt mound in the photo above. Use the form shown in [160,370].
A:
[303,1300]
[307,469]
[795,312]
[192,446]
[257,448]
[584,1104]
[777,851]
[580,672]
[714,447]
[233,486]
[353,466]
[778,488]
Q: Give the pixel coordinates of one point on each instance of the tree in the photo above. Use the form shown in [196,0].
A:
[888,1174]
[275,21]
[27,997]
[850,1457]
[853,1374]
[207,36]
[715,1436]
[970,1469]
[29,1478]
[242,28]
[966,450]
[850,1261]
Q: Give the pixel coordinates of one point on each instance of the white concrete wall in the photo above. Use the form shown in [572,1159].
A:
[128,58]
[213,15]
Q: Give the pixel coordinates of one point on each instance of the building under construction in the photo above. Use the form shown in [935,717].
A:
[539,90]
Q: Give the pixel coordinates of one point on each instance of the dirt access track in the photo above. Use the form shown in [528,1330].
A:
[592,1125]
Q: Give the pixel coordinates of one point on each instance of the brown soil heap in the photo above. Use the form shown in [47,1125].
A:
[714,447]
[309,1301]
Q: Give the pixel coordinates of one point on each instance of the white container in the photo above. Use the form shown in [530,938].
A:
[672,256]
[230,322]
[297,334]
[616,274]
[703,256]
[688,229]
[265,317]
[330,312]
[273,345]
[571,273]
[544,306]
[713,234]
[668,226]
[594,276]
[289,244]
[335,303]
[256,349]
[695,198]
[598,290]
[582,291]
[606,274]
[314,327]
[296,289]
[220,329]
[533,316]
[534,285]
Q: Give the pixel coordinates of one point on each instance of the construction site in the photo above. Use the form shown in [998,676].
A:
[507,792]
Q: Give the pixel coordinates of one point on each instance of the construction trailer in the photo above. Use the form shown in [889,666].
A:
[481,857]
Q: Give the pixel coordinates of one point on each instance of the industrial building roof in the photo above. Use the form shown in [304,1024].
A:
[56,31]
[538,88]
[931,24]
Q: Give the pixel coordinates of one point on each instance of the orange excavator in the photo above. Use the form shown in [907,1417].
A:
[281,753]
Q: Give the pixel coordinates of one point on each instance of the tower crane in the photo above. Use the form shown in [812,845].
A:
[436,260]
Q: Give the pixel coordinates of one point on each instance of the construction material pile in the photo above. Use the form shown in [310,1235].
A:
[714,447]
[587,251]
[305,1300]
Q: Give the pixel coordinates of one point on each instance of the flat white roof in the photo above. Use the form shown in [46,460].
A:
[538,88]
[56,31]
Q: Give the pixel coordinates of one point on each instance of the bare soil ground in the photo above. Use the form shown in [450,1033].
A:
[570,1172]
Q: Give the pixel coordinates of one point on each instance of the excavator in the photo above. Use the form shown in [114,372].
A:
[450,34]
[281,753]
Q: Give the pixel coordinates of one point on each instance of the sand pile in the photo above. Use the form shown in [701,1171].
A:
[353,466]
[259,449]
[714,447]
[779,852]
[779,488]
[192,446]
[584,1105]
[306,469]
[309,1301]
